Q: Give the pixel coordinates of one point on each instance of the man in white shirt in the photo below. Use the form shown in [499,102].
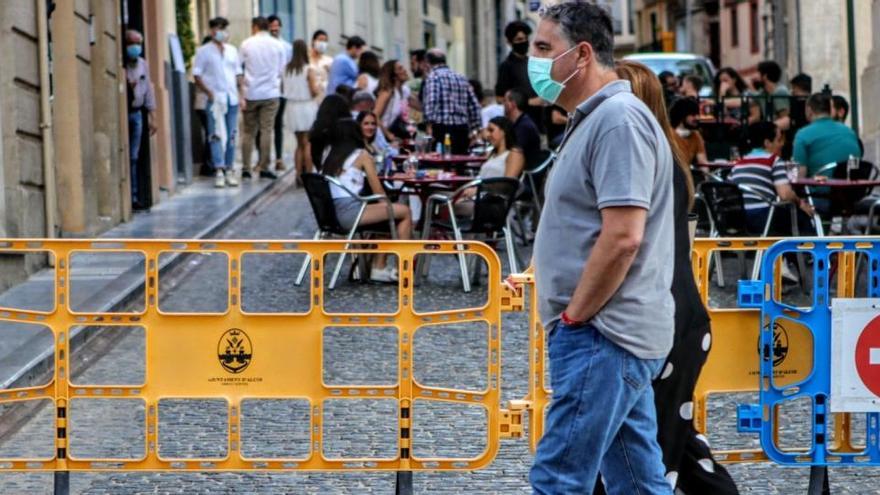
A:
[235,91]
[209,71]
[275,30]
[263,57]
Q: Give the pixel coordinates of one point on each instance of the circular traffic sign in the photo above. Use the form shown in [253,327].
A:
[868,356]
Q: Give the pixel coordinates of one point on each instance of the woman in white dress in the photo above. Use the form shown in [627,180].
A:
[368,68]
[392,100]
[300,89]
[507,160]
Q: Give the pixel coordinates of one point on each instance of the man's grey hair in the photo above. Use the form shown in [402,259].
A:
[583,21]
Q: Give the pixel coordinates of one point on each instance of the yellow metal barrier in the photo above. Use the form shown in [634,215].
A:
[236,355]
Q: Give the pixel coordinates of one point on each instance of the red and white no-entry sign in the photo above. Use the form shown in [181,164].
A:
[855,355]
[868,356]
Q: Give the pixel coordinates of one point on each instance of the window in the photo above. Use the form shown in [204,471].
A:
[445,7]
[392,6]
[425,7]
[285,11]
[753,25]
[734,26]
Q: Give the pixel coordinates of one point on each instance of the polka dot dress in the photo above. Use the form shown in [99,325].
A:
[689,463]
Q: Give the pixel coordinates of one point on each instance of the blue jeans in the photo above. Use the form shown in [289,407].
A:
[601,419]
[216,151]
[231,133]
[135,133]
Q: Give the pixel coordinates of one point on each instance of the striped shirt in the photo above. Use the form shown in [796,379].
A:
[449,99]
[761,172]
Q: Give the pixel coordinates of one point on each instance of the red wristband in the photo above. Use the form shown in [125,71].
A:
[569,322]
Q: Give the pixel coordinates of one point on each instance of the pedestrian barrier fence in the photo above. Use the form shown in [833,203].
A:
[244,351]
[841,392]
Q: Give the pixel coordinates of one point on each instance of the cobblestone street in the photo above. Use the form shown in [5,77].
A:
[445,355]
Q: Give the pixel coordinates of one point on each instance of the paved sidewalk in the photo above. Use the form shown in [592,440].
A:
[103,282]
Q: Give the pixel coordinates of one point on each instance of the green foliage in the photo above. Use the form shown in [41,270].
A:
[185,30]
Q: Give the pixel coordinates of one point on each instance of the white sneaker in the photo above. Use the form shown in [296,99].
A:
[231,179]
[382,275]
[219,179]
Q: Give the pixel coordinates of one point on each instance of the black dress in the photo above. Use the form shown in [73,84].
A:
[686,455]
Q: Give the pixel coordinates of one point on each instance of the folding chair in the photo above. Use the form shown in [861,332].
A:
[317,188]
[492,201]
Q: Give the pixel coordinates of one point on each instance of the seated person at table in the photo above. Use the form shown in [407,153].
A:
[346,159]
[507,159]
[764,174]
[527,135]
[840,111]
[823,141]
[374,141]
[730,88]
[683,117]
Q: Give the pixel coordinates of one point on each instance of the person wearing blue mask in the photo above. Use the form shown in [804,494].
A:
[601,262]
[140,100]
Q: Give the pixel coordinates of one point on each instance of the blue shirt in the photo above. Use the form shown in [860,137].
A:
[824,141]
[344,70]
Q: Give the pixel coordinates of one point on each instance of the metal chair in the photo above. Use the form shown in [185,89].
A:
[492,201]
[317,188]
[530,197]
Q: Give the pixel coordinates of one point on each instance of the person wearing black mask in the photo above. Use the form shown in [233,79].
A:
[513,72]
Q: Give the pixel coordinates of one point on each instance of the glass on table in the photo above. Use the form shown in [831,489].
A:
[792,169]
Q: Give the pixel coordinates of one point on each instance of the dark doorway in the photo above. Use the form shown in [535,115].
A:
[715,43]
[133,18]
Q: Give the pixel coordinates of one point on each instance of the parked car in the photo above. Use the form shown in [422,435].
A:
[680,64]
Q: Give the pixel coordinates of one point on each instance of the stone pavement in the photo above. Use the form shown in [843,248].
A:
[99,283]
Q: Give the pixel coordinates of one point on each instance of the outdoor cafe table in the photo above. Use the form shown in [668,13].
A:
[436,160]
[808,183]
[428,184]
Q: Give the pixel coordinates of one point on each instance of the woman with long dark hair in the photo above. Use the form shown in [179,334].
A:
[392,97]
[729,88]
[688,460]
[300,89]
[507,158]
[368,69]
[332,110]
[346,160]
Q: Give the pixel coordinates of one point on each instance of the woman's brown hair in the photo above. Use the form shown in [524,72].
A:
[646,86]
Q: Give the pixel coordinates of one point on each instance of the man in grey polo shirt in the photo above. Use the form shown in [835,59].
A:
[602,264]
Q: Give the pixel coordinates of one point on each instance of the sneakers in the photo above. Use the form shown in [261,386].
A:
[384,274]
[219,179]
[231,179]
[245,174]
[266,174]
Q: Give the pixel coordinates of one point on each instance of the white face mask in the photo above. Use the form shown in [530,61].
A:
[683,132]
[321,46]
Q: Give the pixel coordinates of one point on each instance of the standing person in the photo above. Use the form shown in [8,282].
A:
[527,135]
[320,62]
[235,93]
[300,89]
[450,104]
[275,30]
[729,88]
[263,58]
[683,115]
[368,72]
[140,98]
[513,71]
[392,100]
[209,71]
[344,69]
[601,264]
[688,460]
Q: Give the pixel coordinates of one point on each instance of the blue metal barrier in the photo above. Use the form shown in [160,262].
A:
[822,450]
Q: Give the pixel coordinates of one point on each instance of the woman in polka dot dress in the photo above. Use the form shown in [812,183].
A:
[689,463]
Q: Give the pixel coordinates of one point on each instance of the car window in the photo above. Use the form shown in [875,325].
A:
[678,67]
